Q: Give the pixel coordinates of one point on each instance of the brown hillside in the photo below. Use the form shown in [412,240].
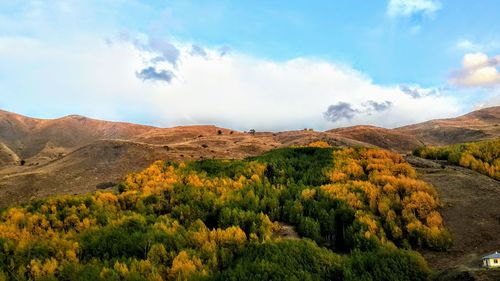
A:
[381,137]
[29,136]
[7,156]
[75,154]
[474,126]
[471,213]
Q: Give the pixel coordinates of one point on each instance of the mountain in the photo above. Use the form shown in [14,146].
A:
[477,125]
[76,154]
[381,137]
[30,136]
[474,126]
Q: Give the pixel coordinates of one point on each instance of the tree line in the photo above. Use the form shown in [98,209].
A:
[482,156]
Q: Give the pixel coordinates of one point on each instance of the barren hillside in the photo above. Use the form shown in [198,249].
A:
[381,137]
[30,136]
[477,125]
[471,212]
[75,154]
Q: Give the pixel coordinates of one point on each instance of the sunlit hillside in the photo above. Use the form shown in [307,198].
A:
[483,156]
[358,214]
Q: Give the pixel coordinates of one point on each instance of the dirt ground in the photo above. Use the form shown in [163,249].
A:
[471,212]
[287,231]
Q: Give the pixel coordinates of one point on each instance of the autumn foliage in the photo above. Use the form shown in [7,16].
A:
[483,156]
[218,220]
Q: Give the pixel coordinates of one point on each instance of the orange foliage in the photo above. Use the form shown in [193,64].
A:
[320,144]
[379,181]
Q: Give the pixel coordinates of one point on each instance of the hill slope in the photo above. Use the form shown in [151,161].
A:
[470,211]
[220,220]
[381,137]
[474,126]
[75,154]
[30,136]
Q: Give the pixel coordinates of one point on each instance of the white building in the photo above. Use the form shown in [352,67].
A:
[492,260]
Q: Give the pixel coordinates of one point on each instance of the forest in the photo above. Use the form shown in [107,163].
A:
[360,214]
[482,156]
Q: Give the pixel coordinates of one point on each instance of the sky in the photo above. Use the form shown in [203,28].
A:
[264,65]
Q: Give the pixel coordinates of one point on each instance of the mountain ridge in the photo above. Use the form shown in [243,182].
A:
[76,154]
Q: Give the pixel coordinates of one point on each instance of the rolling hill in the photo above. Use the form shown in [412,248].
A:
[381,137]
[474,126]
[76,154]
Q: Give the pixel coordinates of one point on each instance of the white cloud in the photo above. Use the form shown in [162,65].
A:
[478,70]
[471,46]
[91,77]
[468,45]
[474,60]
[408,8]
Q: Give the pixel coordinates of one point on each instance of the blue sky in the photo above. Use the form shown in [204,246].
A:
[270,65]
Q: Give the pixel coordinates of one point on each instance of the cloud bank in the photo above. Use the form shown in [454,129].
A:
[113,80]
